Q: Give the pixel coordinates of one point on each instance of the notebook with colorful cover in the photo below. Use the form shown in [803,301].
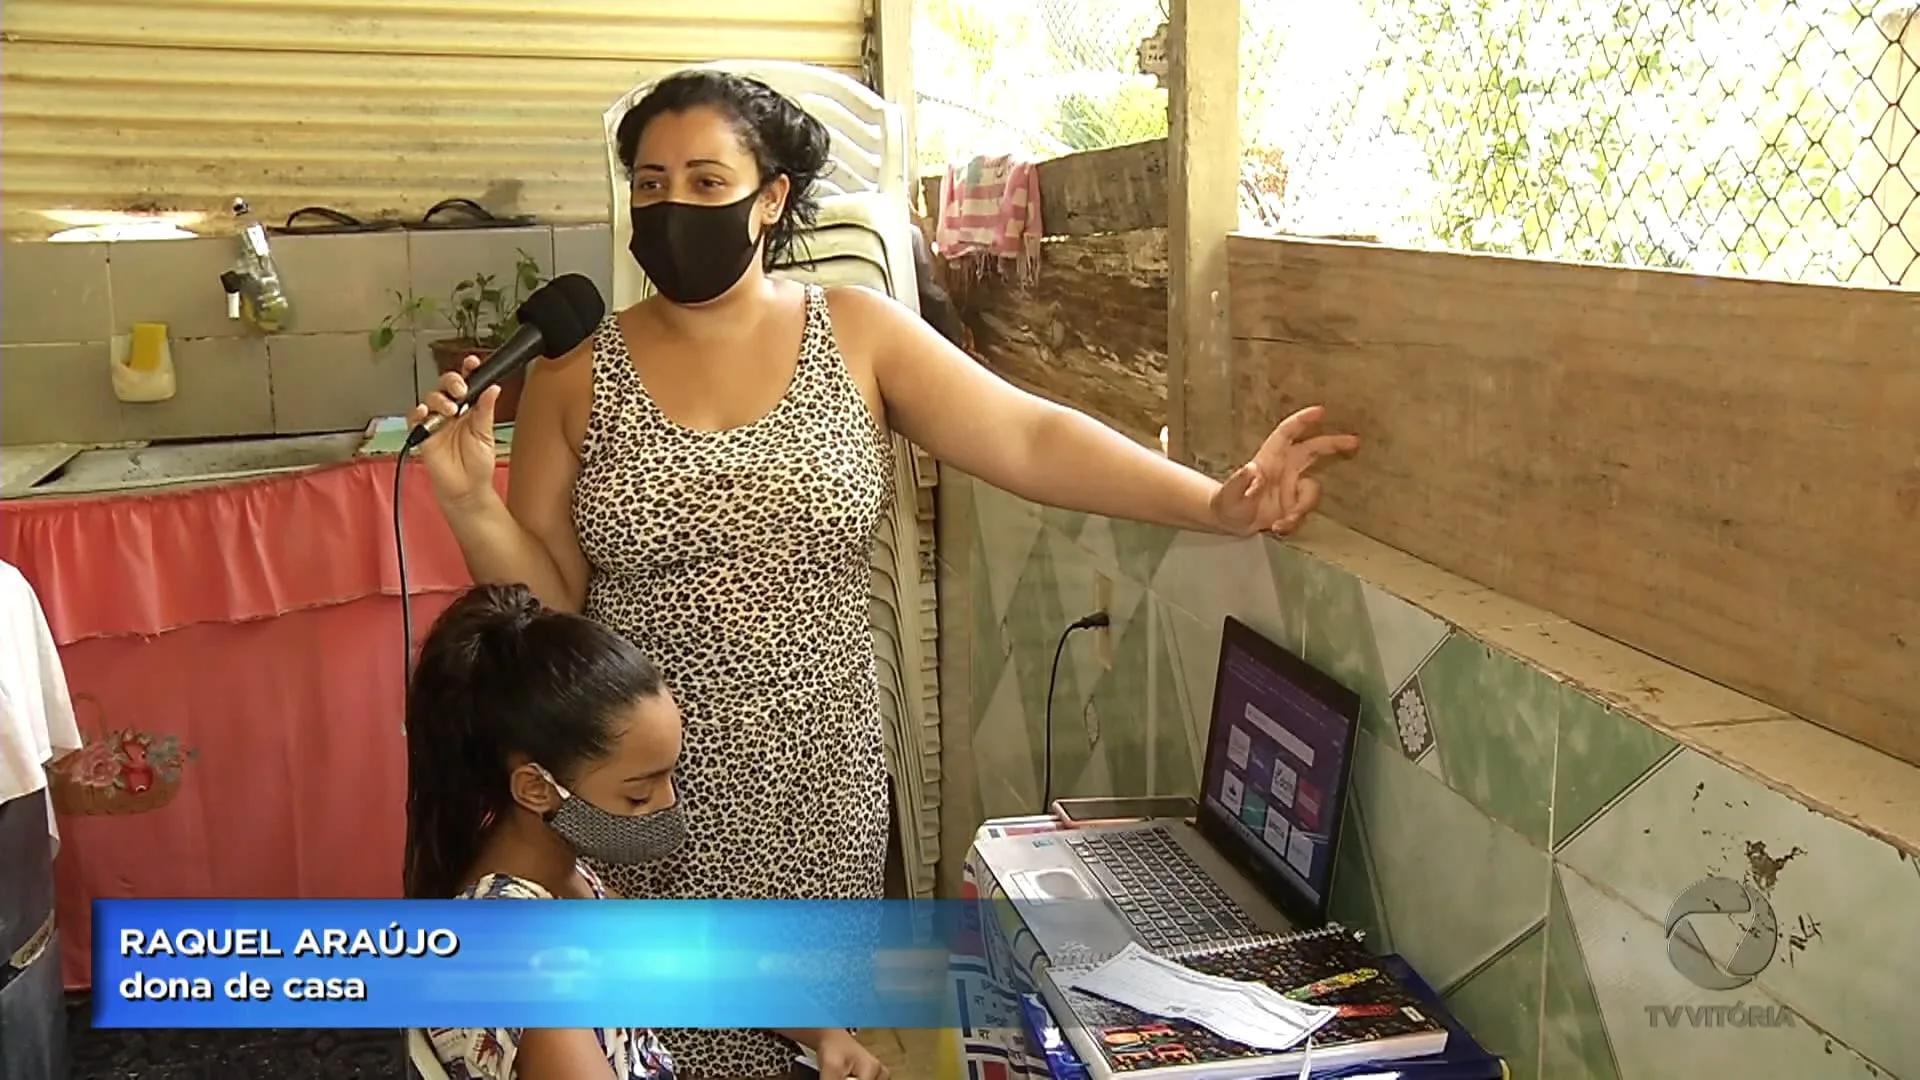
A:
[1382,1019]
[1463,1059]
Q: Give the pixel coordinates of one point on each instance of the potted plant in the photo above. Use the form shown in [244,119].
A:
[481,311]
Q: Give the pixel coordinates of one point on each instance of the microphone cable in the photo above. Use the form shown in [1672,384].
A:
[554,320]
[406,596]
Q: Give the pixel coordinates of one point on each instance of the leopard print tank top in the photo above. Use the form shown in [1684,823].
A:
[739,560]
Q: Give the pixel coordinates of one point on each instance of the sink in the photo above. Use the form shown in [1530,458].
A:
[166,464]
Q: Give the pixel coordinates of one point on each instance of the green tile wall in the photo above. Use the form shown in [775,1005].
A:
[1519,841]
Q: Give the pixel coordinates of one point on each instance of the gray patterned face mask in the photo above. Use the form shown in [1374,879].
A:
[616,839]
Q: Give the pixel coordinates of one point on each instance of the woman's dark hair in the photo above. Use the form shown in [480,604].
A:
[499,675]
[783,139]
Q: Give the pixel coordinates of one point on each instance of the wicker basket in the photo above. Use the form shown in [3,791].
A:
[118,770]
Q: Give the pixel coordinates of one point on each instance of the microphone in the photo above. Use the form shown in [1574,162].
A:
[553,322]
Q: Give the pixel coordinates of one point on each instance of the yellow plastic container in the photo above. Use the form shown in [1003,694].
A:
[143,371]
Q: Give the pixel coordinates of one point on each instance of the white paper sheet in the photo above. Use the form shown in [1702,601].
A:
[1245,1012]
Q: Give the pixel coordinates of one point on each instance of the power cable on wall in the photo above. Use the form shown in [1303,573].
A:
[1089,622]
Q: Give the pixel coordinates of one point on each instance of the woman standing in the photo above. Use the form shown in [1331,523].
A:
[706,476]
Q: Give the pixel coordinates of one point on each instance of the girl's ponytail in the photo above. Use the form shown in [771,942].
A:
[500,676]
[454,765]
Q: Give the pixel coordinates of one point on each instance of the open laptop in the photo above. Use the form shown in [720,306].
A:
[1257,860]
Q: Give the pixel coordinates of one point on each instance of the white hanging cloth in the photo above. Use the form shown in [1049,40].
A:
[37,724]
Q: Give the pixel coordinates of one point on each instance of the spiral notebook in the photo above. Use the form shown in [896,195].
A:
[1382,1019]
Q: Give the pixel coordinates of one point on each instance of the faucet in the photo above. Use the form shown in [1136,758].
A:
[253,284]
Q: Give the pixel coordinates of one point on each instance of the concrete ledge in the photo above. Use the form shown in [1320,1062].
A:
[1824,771]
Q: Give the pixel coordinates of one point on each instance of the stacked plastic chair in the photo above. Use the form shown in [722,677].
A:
[862,237]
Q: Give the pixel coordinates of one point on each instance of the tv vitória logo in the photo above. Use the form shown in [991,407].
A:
[1721,898]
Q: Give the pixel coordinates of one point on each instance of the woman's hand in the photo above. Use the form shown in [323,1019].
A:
[460,456]
[841,1057]
[1272,493]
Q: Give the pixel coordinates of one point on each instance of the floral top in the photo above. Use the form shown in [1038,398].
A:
[488,1053]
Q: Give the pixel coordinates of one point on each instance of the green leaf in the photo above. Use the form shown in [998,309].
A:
[380,338]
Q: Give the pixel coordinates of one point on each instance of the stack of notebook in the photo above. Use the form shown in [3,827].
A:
[1390,1022]
[387,434]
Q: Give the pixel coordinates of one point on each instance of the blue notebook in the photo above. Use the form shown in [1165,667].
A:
[1045,1042]
[1463,1059]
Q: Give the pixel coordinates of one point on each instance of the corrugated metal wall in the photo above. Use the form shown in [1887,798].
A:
[371,107]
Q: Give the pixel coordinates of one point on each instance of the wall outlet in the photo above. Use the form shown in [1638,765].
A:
[1103,635]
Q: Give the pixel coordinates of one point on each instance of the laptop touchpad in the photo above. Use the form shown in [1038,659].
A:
[1053,884]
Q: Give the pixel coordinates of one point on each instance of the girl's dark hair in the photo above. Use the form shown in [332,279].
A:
[499,675]
[783,139]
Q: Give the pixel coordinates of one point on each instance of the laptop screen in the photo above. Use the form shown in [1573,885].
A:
[1279,753]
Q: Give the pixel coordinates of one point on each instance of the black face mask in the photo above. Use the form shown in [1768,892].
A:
[694,253]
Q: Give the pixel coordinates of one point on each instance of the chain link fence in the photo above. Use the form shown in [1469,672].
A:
[1772,138]
[1035,77]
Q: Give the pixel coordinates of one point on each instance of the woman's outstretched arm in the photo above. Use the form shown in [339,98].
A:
[963,414]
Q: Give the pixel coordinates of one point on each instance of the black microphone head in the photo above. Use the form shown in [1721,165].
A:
[584,296]
[565,310]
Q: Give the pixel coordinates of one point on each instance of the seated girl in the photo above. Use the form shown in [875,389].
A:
[535,739]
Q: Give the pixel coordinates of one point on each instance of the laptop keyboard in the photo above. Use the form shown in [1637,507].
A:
[1163,893]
